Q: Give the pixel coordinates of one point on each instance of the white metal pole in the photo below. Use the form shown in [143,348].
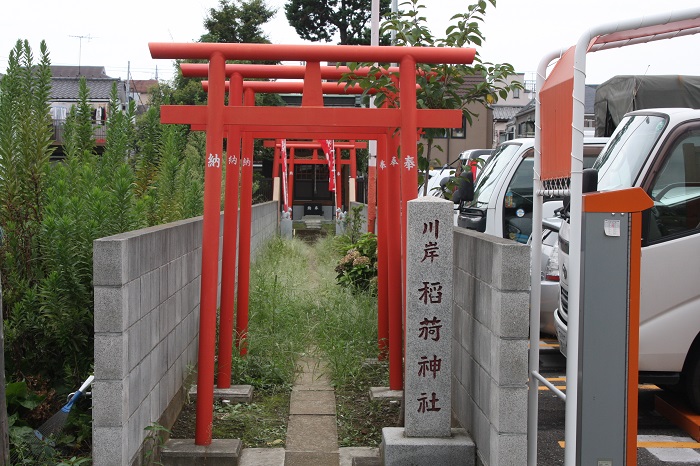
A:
[535,263]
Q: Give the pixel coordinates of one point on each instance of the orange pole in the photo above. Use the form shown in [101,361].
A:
[290,180]
[633,339]
[409,159]
[228,261]
[199,70]
[312,52]
[244,235]
[338,181]
[382,260]
[210,252]
[394,282]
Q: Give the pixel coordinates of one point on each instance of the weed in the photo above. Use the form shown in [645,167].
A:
[153,445]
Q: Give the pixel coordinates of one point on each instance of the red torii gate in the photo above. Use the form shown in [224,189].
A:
[315,146]
[289,122]
[385,258]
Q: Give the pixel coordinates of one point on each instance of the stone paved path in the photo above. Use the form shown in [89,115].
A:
[312,434]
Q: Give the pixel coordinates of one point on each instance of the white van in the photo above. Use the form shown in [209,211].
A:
[502,206]
[659,151]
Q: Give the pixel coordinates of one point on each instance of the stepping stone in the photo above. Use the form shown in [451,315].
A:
[312,402]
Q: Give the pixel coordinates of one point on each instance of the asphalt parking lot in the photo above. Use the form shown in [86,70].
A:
[659,441]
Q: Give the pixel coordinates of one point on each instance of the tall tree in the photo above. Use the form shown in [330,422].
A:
[320,20]
[235,21]
[238,21]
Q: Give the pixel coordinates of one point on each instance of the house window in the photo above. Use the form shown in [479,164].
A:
[460,133]
[516,93]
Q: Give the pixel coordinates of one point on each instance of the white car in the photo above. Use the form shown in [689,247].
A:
[502,206]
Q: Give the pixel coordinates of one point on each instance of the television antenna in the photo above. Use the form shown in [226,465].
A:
[80,46]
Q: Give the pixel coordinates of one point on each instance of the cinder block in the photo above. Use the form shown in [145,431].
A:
[456,366]
[110,309]
[509,361]
[468,338]
[508,409]
[511,270]
[466,371]
[134,336]
[110,261]
[483,398]
[463,289]
[513,317]
[111,360]
[109,401]
[483,259]
[163,285]
[484,305]
[508,449]
[133,309]
[134,387]
[482,434]
[108,446]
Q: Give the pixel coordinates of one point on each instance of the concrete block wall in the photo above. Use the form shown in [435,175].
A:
[364,213]
[147,289]
[490,345]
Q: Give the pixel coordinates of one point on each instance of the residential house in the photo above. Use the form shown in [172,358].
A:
[140,92]
[522,124]
[504,110]
[454,141]
[65,83]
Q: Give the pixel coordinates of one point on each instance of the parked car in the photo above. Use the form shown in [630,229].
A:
[657,150]
[443,182]
[502,203]
[549,273]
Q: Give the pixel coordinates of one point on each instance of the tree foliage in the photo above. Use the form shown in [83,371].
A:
[320,20]
[238,21]
[235,21]
[50,214]
[440,86]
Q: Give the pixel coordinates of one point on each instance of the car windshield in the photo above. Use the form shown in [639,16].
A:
[619,164]
[496,166]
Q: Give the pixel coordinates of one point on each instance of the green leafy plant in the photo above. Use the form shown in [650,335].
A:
[357,269]
[439,86]
[155,441]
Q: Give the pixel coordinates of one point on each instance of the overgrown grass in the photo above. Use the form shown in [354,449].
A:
[296,306]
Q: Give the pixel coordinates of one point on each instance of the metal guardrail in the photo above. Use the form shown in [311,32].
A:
[99,131]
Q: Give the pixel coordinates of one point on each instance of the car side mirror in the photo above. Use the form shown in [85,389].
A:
[465,188]
[589,183]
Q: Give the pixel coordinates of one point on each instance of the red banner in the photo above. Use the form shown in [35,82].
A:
[328,146]
[285,174]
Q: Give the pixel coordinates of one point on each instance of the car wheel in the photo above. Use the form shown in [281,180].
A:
[691,381]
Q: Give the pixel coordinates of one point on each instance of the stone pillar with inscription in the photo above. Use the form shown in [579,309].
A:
[427,438]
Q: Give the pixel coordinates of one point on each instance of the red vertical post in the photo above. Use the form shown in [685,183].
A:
[210,251]
[338,180]
[244,234]
[276,173]
[394,282]
[382,259]
[290,179]
[409,159]
[228,261]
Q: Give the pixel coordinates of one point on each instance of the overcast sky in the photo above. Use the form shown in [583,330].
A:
[116,35]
